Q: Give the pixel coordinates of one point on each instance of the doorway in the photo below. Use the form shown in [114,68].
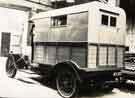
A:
[5,44]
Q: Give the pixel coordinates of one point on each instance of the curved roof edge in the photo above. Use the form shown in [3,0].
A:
[73,9]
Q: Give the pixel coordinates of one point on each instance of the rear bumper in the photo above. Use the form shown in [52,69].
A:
[101,78]
[101,75]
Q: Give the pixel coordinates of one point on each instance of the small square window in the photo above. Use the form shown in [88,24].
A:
[59,20]
[63,20]
[54,21]
[113,21]
[104,19]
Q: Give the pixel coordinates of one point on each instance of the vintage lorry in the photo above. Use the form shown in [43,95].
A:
[82,44]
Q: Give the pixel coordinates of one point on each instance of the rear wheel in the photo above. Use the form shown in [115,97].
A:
[66,83]
[10,67]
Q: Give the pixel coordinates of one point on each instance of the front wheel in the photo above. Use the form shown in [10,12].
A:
[66,83]
[10,67]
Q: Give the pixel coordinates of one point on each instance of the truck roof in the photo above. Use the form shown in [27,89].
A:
[75,9]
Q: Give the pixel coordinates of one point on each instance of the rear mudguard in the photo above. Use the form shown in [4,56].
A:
[69,64]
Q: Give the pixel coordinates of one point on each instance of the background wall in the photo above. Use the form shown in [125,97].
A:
[15,23]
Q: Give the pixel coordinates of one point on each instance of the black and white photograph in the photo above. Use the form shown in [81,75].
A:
[67,48]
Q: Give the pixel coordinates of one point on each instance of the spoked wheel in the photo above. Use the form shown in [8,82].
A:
[66,83]
[10,67]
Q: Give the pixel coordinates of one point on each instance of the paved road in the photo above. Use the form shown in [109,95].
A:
[25,87]
[22,86]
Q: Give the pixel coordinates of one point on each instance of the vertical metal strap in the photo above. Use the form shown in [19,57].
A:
[86,54]
[97,57]
[116,52]
[124,56]
[107,55]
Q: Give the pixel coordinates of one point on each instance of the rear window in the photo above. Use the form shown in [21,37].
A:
[109,20]
[104,19]
[113,21]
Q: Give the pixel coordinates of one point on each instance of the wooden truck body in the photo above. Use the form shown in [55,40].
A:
[91,35]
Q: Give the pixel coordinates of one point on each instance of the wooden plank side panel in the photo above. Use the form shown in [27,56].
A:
[42,29]
[78,26]
[39,52]
[102,56]
[92,56]
[50,55]
[111,56]
[120,54]
[79,56]
[75,30]
[63,54]
[57,54]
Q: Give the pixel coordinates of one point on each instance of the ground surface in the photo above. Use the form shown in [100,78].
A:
[26,85]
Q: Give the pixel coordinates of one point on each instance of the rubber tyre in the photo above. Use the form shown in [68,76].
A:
[10,67]
[66,83]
